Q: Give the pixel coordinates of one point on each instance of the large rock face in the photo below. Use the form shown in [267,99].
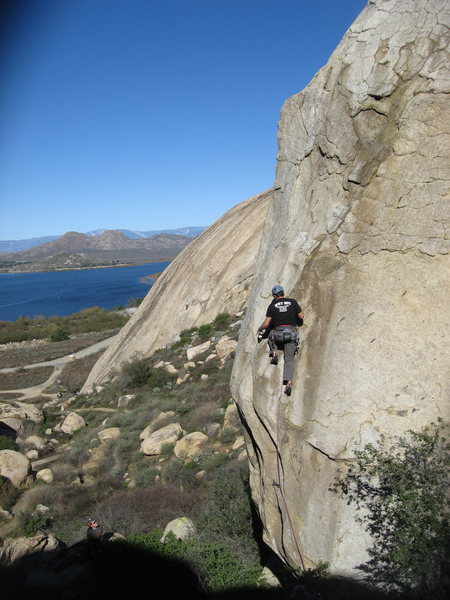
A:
[213,274]
[356,232]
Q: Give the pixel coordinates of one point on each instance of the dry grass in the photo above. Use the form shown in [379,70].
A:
[24,378]
[11,356]
[75,373]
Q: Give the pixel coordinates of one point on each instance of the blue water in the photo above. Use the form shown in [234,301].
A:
[66,292]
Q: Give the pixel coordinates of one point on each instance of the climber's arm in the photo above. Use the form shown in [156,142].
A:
[265,324]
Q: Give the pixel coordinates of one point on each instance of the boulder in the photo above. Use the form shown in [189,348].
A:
[35,442]
[231,420]
[5,515]
[189,365]
[10,423]
[15,467]
[109,434]
[45,475]
[183,378]
[124,401]
[72,423]
[14,549]
[169,434]
[32,454]
[190,445]
[196,350]
[225,347]
[182,528]
[239,443]
[20,411]
[212,430]
[161,420]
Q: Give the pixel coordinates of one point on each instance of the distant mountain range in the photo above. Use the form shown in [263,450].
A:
[76,250]
[7,246]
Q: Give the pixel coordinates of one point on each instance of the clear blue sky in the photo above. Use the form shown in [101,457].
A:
[148,114]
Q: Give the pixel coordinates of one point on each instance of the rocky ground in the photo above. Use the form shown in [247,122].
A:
[156,436]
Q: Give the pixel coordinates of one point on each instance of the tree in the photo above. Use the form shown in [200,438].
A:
[402,487]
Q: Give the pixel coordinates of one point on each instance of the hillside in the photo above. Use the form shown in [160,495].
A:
[107,248]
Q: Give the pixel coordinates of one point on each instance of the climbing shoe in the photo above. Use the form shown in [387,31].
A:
[274,360]
[288,389]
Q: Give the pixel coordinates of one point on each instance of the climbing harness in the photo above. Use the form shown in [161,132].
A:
[283,334]
[280,483]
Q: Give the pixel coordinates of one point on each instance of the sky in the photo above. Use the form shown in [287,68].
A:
[148,114]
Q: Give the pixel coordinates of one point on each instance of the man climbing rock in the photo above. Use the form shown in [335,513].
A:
[280,327]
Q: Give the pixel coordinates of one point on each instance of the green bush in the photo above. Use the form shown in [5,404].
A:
[87,320]
[222,321]
[59,335]
[227,513]
[7,443]
[217,566]
[30,523]
[160,378]
[204,331]
[402,487]
[137,371]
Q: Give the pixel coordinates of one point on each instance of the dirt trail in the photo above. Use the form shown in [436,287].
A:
[58,364]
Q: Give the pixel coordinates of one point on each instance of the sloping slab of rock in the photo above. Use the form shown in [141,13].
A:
[166,435]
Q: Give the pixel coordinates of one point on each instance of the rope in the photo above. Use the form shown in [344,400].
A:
[280,484]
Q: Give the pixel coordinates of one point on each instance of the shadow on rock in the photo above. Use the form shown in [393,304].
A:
[121,570]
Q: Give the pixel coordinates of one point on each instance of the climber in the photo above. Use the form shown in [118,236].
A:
[94,531]
[280,328]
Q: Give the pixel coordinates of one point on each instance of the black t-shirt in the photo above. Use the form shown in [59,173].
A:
[283,311]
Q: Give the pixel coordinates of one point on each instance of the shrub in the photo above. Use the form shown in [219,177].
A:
[217,566]
[137,371]
[7,443]
[403,489]
[222,321]
[8,493]
[59,335]
[204,331]
[30,523]
[138,510]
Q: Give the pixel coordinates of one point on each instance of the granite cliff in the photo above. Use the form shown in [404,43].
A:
[212,275]
[356,230]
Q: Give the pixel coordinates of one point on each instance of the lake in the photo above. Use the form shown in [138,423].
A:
[66,292]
